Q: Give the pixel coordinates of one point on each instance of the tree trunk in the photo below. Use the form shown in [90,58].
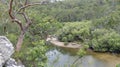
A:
[20,41]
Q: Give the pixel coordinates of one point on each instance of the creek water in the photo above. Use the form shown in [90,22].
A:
[67,58]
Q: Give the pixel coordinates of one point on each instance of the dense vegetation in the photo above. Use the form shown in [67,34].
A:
[76,31]
[78,10]
[95,23]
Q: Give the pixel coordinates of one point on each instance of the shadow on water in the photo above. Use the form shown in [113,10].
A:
[63,57]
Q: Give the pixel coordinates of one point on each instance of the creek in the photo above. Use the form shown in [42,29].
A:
[64,57]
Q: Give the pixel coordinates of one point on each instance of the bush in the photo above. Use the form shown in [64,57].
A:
[12,38]
[81,52]
[110,21]
[74,31]
[105,40]
[34,55]
[44,26]
[64,39]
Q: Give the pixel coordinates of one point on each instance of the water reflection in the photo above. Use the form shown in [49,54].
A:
[59,59]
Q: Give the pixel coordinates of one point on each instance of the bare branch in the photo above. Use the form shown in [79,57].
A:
[26,2]
[27,25]
[28,5]
[25,16]
[19,23]
[10,10]
[12,17]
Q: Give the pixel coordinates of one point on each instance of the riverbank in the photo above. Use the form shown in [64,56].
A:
[99,58]
[56,42]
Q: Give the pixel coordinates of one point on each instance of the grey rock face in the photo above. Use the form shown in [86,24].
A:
[6,50]
[12,63]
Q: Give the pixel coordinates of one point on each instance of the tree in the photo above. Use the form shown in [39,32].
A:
[21,11]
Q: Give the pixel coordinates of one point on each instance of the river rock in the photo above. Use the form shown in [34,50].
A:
[6,50]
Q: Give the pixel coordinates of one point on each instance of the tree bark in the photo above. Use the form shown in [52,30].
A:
[20,41]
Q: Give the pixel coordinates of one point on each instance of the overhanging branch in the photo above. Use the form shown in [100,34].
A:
[28,5]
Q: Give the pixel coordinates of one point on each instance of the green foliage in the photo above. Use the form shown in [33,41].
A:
[34,56]
[118,65]
[64,39]
[77,10]
[105,40]
[34,43]
[70,37]
[44,26]
[103,34]
[3,18]
[12,38]
[81,52]
[98,39]
[109,21]
[74,31]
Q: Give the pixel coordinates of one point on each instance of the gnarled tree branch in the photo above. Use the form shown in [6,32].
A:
[14,19]
[23,26]
[28,5]
[10,10]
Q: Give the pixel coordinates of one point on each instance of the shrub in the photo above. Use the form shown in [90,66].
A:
[110,21]
[74,31]
[34,55]
[64,39]
[105,40]
[81,52]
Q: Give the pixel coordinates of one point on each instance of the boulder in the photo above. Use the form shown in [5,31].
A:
[6,50]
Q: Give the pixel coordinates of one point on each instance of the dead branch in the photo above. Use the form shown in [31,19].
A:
[28,5]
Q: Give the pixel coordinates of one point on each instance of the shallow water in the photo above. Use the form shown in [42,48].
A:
[58,58]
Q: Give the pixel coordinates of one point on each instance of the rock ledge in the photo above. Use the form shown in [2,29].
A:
[6,50]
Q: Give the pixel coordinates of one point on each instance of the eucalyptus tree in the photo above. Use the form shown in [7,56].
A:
[18,15]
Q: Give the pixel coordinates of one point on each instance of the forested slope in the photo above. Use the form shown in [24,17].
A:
[95,23]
